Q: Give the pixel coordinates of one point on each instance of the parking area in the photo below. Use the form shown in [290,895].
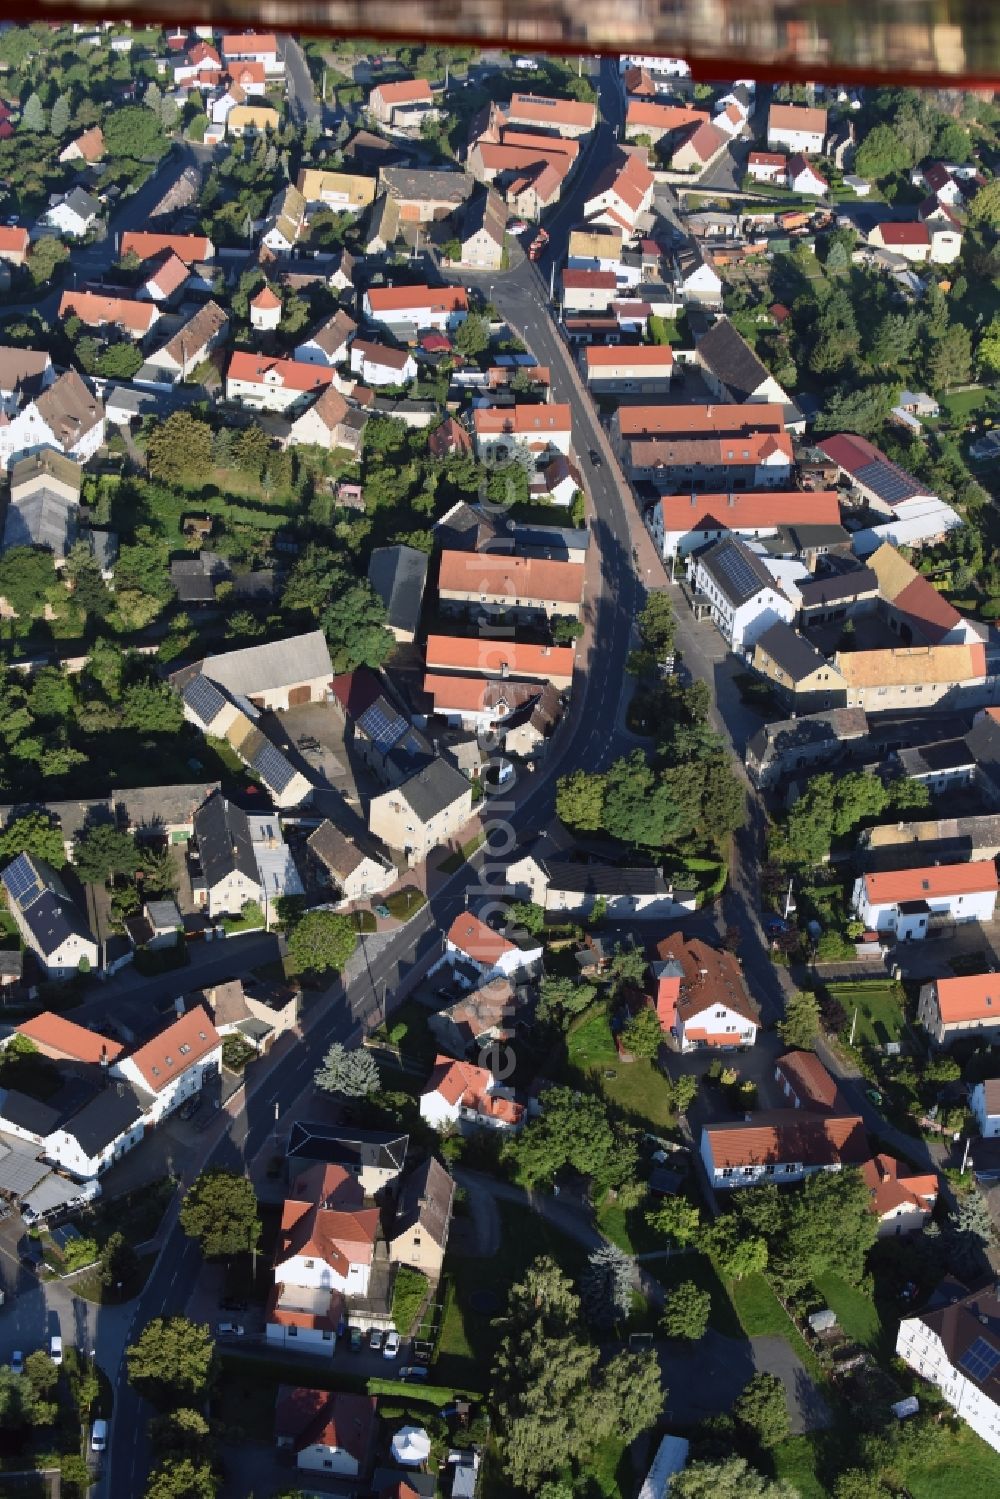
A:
[316,732]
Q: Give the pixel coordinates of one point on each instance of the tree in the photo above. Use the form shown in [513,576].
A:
[560,998]
[180,447]
[101,852]
[580,800]
[643,1036]
[118,361]
[181,1433]
[727,1478]
[153,97]
[827,1227]
[737,1253]
[891,342]
[220,1211]
[182,1479]
[252,451]
[354,625]
[472,336]
[41,1371]
[33,115]
[575,1131]
[26,576]
[59,118]
[858,1483]
[988,352]
[46,256]
[683,1091]
[606,1285]
[951,142]
[800,1026]
[118,1262]
[525,916]
[152,708]
[686,1311]
[763,1408]
[321,941]
[172,1362]
[134,133]
[34,833]
[861,410]
[985,206]
[657,625]
[353,1073]
[950,360]
[676,1218]
[169,113]
[629,1397]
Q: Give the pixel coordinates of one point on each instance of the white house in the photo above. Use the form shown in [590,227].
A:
[254,47]
[73,215]
[500,431]
[783,1145]
[48,920]
[328,1432]
[909,903]
[459,1095]
[622,193]
[174,1065]
[796,127]
[683,523]
[112,1123]
[985,1104]
[378,364]
[768,166]
[227,876]
[701,996]
[564,887]
[804,178]
[616,369]
[901,1199]
[407,310]
[357,874]
[743,598]
[471,939]
[67,416]
[949,1008]
[955,1344]
[330,342]
[269,384]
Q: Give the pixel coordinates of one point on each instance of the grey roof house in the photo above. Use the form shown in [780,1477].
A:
[228,875]
[398,575]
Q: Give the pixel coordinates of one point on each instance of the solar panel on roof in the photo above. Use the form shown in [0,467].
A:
[203,698]
[738,572]
[21,881]
[272,767]
[980,1359]
[889,483]
[382,729]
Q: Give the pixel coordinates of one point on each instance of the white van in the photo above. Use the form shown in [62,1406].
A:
[55,1348]
[99,1436]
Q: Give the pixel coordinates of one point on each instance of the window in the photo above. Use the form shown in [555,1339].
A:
[309,1264]
[293,1332]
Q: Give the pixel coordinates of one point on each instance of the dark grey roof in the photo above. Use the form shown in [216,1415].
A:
[730,358]
[222,833]
[44,903]
[409,182]
[835,587]
[203,698]
[738,572]
[485,210]
[11,962]
[110,1113]
[789,734]
[103,548]
[464,529]
[398,575]
[195,578]
[426,1197]
[550,541]
[603,879]
[82,203]
[933,759]
[983,740]
[791,651]
[432,789]
[27,1113]
[43,519]
[341,1145]
[806,538]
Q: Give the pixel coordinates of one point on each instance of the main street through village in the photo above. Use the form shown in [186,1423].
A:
[624,567]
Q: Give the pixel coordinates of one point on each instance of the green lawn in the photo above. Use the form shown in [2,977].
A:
[761,1314]
[795,1462]
[637,1088]
[856,1312]
[405,903]
[407,1029]
[879,1007]
[964,1467]
[962,405]
[468,1337]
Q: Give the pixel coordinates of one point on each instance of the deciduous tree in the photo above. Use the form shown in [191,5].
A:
[800,1026]
[34,833]
[686,1311]
[677,1219]
[763,1408]
[172,1361]
[321,941]
[101,851]
[727,1478]
[220,1211]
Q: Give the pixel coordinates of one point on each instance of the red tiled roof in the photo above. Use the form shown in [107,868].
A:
[291,373]
[480,941]
[175,1049]
[789,1136]
[705,140]
[711,977]
[189,247]
[940,880]
[14,240]
[522,419]
[545,145]
[460,653]
[582,280]
[663,116]
[972,997]
[891,1187]
[905,234]
[337,1236]
[91,308]
[91,144]
[809,1080]
[167,272]
[504,576]
[325,1418]
[53,1033]
[603,356]
[542,110]
[758,510]
[667,452]
[266,299]
[720,419]
[796,117]
[233,46]
[426,298]
[462,1083]
[406,91]
[767,159]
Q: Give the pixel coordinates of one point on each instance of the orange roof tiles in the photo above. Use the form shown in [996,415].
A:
[124,312]
[687,452]
[973,997]
[289,373]
[91,144]
[57,1037]
[522,420]
[605,356]
[427,298]
[406,91]
[584,280]
[176,1049]
[235,46]
[891,1187]
[339,1237]
[758,510]
[809,1080]
[504,576]
[189,247]
[937,880]
[266,298]
[541,145]
[169,273]
[797,117]
[493,657]
[790,1137]
[711,977]
[462,1083]
[542,110]
[663,116]
[13,240]
[912,664]
[480,941]
[721,419]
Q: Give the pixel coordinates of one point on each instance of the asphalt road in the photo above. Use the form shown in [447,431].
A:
[303,105]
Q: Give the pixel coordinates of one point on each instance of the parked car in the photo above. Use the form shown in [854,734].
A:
[375,1339]
[413,1373]
[17,1362]
[55,1348]
[99,1435]
[357,1339]
[391,1349]
[229,1330]
[595,457]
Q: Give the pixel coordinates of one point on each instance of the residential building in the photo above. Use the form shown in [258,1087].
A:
[23,372]
[254,47]
[646,118]
[762,460]
[110,1124]
[398,575]
[955,1344]
[911,904]
[915,677]
[329,1432]
[628,370]
[175,1064]
[701,997]
[484,231]
[357,873]
[901,1199]
[471,582]
[228,877]
[564,117]
[768,166]
[14,244]
[344,192]
[941,765]
[258,1010]
[144,244]
[66,416]
[743,597]
[377,364]
[330,423]
[460,1096]
[800,674]
[984,1103]
[165,275]
[785,1145]
[47,918]
[919,241]
[871,475]
[950,1008]
[501,659]
[272,384]
[330,342]
[720,420]
[490,952]
[500,431]
[251,119]
[479,1019]
[732,370]
[564,887]
[74,214]
[423,812]
[816,740]
[837,596]
[378,732]
[88,147]
[943,839]
[326,1242]
[697,147]
[402,105]
[588,291]
[807,1084]
[699,282]
[804,178]
[409,310]
[374,1157]
[276,675]
[796,128]
[190,346]
[420,196]
[622,192]
[419,1233]
[124,313]
[265,310]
